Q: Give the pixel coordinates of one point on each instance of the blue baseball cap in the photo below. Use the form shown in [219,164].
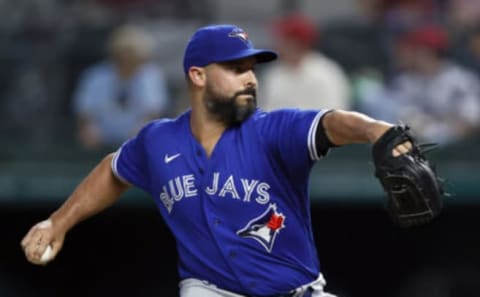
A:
[221,43]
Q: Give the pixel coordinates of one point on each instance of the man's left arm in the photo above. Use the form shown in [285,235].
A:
[414,192]
[349,127]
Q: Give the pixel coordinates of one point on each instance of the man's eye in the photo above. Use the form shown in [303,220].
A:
[238,68]
[241,69]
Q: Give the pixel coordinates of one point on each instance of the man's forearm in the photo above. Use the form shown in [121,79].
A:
[99,190]
[346,127]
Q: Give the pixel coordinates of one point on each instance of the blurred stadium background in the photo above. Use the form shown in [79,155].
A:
[127,250]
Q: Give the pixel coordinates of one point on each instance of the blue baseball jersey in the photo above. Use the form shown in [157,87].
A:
[240,217]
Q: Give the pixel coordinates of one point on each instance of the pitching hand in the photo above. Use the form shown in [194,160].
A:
[38,238]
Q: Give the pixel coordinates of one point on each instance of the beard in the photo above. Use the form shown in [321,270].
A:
[228,110]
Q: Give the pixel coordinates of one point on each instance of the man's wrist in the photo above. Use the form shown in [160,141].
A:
[376,130]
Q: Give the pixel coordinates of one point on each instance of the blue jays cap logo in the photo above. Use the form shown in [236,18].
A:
[239,33]
[265,227]
[220,43]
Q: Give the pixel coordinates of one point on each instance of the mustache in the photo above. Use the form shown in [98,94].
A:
[249,91]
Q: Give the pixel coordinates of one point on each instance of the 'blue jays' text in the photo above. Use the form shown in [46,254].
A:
[242,189]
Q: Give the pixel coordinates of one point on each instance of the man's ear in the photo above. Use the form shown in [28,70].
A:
[197,76]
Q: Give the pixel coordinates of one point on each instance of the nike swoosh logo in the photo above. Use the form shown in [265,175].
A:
[169,159]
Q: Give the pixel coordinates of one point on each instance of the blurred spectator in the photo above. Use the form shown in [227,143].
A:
[303,77]
[430,92]
[115,97]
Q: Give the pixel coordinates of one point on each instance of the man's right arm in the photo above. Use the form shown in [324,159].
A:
[99,190]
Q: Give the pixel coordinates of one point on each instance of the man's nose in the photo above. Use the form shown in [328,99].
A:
[251,79]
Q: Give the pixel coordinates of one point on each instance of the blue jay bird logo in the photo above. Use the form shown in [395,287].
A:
[239,33]
[265,227]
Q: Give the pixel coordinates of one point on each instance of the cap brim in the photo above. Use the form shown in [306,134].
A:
[262,55]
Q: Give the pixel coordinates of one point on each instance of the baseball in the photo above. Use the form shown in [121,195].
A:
[47,254]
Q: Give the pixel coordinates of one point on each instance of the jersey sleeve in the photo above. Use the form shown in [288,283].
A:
[292,134]
[130,163]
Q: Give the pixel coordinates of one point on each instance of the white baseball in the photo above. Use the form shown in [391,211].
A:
[47,254]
